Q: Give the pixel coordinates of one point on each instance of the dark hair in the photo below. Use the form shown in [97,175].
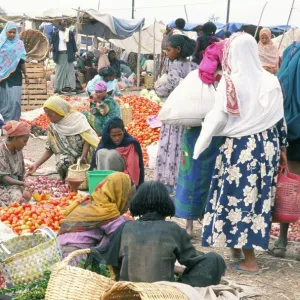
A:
[227,34]
[152,196]
[187,45]
[116,123]
[111,52]
[108,71]
[180,23]
[209,28]
[198,28]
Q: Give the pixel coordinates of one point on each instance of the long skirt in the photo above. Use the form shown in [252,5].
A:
[167,162]
[242,192]
[10,102]
[64,73]
[194,176]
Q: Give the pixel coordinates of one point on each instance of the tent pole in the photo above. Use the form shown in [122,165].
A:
[132,13]
[228,14]
[154,60]
[260,19]
[186,14]
[139,60]
[77,28]
[287,24]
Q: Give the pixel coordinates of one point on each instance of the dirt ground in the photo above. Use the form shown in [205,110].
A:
[280,279]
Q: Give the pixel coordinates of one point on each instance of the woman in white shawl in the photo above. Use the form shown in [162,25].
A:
[249,113]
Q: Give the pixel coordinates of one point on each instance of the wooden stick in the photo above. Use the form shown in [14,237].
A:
[262,12]
[287,24]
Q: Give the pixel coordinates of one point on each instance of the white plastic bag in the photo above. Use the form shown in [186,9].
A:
[189,103]
[152,151]
[6,233]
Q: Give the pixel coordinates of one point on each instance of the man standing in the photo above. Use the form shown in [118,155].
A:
[64,50]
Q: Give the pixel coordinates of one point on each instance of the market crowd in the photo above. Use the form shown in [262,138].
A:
[223,170]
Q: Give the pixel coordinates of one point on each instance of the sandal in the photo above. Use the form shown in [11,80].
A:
[277,252]
[241,271]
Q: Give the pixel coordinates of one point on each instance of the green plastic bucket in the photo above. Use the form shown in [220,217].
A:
[95,177]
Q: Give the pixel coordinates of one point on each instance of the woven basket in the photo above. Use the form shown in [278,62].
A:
[287,202]
[80,172]
[36,44]
[143,291]
[24,259]
[149,82]
[126,112]
[73,283]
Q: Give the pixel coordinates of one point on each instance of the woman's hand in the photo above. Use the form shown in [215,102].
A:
[82,160]
[31,169]
[283,158]
[27,79]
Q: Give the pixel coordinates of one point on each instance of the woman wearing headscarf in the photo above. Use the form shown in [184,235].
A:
[268,51]
[206,39]
[249,113]
[70,136]
[102,108]
[289,77]
[179,48]
[92,222]
[195,175]
[12,65]
[109,76]
[119,151]
[12,169]
[114,62]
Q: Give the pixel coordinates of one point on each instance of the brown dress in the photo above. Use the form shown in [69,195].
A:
[11,165]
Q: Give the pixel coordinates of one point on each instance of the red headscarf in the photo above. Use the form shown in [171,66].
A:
[14,128]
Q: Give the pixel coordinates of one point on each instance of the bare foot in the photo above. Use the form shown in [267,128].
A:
[249,267]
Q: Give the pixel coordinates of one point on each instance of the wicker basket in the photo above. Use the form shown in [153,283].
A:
[73,283]
[24,259]
[149,82]
[126,112]
[142,291]
[79,171]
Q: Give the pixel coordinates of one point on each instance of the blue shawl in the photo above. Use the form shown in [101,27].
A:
[289,77]
[107,143]
[11,51]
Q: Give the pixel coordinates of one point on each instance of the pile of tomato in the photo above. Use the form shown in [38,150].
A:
[26,218]
[139,128]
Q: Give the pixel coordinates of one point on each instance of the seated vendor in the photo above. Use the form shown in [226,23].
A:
[149,247]
[93,221]
[102,108]
[119,151]
[12,169]
[85,67]
[108,75]
[70,137]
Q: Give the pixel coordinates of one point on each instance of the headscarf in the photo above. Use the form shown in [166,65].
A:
[11,51]
[14,128]
[73,123]
[268,54]
[101,86]
[108,71]
[108,202]
[107,143]
[249,99]
[289,77]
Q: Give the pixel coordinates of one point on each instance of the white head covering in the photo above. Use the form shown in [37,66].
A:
[249,100]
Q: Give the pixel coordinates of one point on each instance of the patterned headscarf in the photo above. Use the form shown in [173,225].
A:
[14,128]
[11,51]
[101,86]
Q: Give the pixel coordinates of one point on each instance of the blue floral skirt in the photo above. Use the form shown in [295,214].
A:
[242,192]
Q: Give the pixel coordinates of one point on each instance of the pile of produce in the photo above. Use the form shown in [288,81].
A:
[26,218]
[293,233]
[151,96]
[139,128]
[55,187]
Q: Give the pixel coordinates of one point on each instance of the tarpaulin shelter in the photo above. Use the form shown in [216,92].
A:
[151,35]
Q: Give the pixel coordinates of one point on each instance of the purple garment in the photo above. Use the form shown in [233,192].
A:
[212,57]
[167,162]
[99,236]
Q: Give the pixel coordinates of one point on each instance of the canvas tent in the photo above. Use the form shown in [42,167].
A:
[289,37]
[131,44]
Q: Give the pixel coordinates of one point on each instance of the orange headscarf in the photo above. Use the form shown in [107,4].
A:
[14,128]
